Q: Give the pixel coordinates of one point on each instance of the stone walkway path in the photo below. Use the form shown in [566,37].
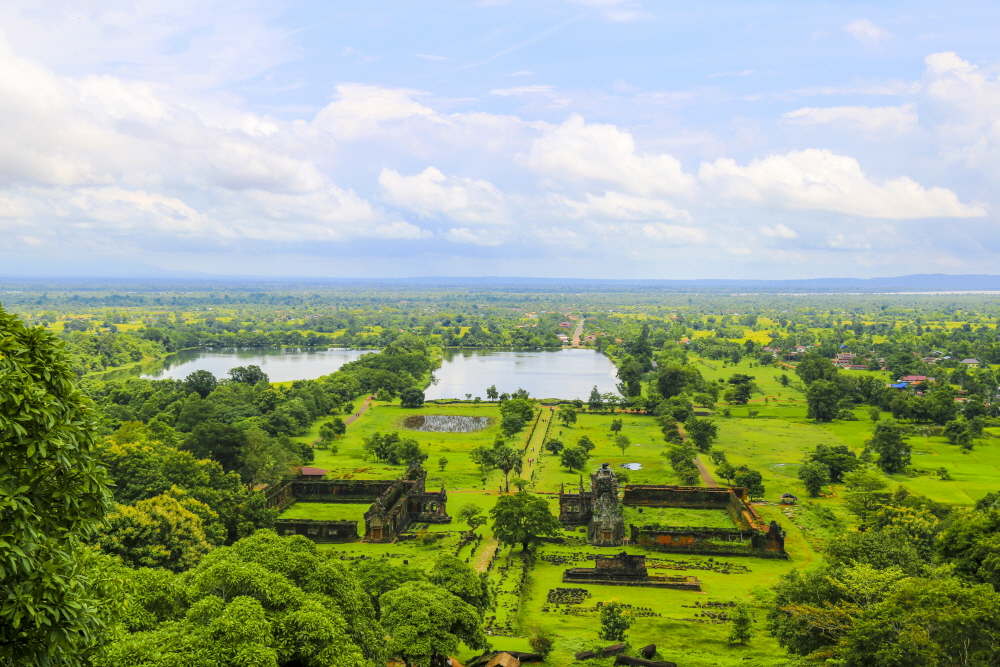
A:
[534,450]
[705,475]
[485,553]
[356,415]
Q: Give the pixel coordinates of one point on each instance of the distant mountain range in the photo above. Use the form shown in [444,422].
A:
[922,282]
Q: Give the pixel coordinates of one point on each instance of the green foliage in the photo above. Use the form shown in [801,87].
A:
[411,397]
[159,532]
[523,518]
[814,476]
[53,495]
[865,486]
[459,579]
[566,414]
[751,480]
[264,600]
[391,448]
[823,398]
[425,623]
[573,458]
[622,442]
[553,446]
[887,441]
[615,622]
[838,459]
[741,629]
[702,431]
[586,444]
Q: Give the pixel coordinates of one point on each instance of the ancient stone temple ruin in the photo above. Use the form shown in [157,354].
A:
[403,503]
[600,510]
[626,570]
[597,509]
[395,505]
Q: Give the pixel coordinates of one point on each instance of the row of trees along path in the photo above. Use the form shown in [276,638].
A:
[532,453]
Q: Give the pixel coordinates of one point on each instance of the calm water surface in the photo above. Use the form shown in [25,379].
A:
[567,373]
[281,365]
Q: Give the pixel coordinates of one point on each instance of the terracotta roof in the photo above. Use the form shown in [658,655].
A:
[504,660]
[306,470]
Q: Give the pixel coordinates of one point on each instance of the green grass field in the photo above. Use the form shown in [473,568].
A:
[774,441]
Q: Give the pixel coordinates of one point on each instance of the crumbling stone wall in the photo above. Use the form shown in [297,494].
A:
[319,531]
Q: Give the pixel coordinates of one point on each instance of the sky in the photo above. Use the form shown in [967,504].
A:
[548,138]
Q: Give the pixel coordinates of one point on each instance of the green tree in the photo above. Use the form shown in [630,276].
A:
[865,486]
[566,414]
[814,476]
[523,518]
[596,400]
[506,458]
[332,430]
[426,623]
[616,619]
[622,442]
[671,380]
[573,458]
[553,445]
[887,441]
[616,426]
[458,578]
[201,382]
[158,532]
[586,444]
[468,514]
[726,471]
[822,399]
[702,431]
[813,366]
[265,600]
[411,397]
[837,458]
[53,496]
[741,629]
[248,375]
[491,392]
[751,480]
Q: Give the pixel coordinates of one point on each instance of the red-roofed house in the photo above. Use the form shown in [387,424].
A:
[311,473]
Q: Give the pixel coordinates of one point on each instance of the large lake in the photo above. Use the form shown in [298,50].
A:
[567,373]
[281,365]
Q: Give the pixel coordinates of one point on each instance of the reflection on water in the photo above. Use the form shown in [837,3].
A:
[281,365]
[631,466]
[567,373]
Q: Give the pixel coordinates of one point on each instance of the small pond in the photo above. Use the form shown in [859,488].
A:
[445,423]
[631,466]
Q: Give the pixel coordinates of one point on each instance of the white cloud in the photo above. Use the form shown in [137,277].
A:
[592,151]
[361,108]
[619,206]
[963,106]
[821,180]
[662,232]
[866,32]
[431,193]
[899,119]
[779,231]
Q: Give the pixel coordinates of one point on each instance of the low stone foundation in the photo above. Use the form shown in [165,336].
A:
[319,531]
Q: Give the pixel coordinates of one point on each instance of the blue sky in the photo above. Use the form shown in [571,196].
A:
[587,138]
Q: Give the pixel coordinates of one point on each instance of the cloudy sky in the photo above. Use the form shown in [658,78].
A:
[579,138]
